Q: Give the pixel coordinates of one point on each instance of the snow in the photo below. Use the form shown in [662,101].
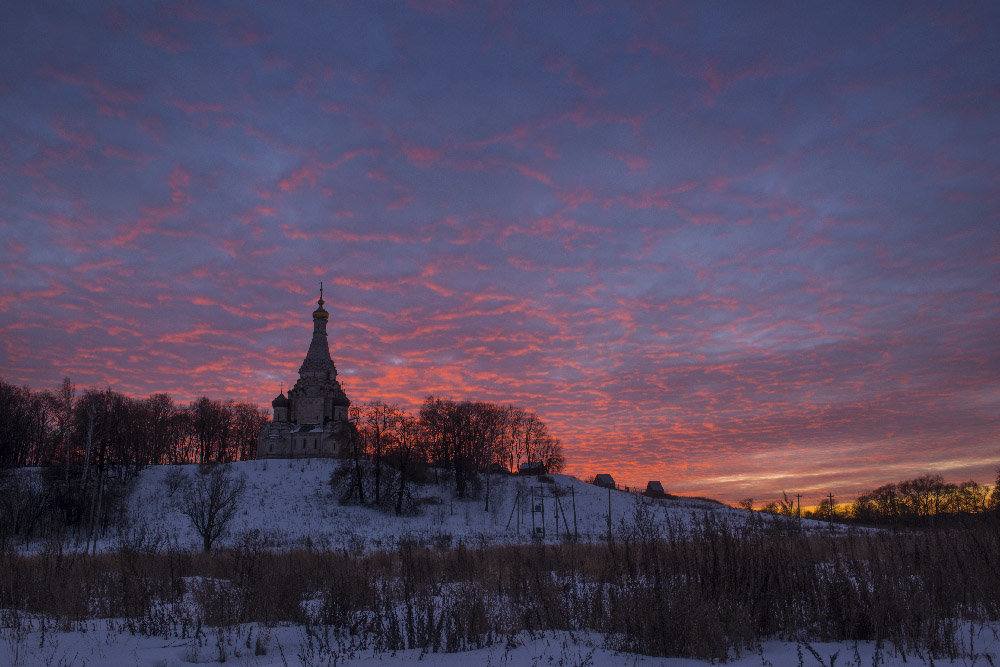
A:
[107,642]
[291,504]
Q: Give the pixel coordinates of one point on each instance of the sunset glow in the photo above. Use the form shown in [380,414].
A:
[738,248]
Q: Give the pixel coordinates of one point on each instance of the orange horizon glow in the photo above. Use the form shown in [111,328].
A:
[590,438]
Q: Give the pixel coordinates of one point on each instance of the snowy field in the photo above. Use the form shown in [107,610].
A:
[291,504]
[105,643]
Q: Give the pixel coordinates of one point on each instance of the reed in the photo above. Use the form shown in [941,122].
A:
[705,590]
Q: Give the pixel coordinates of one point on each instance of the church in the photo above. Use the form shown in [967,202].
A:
[312,420]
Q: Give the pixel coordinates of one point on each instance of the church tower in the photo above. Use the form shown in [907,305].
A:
[312,420]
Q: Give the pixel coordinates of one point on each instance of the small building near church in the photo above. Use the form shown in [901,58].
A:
[605,480]
[532,468]
[312,420]
[655,490]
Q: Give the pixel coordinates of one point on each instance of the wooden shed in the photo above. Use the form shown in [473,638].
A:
[655,490]
[532,468]
[605,480]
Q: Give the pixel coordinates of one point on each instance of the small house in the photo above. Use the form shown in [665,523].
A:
[605,480]
[655,490]
[532,468]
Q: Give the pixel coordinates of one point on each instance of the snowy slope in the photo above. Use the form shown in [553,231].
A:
[291,504]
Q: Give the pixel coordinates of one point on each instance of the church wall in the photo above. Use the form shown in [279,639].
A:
[311,444]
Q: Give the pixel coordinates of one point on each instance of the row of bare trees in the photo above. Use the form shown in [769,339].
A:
[915,501]
[909,502]
[94,443]
[105,427]
[463,438]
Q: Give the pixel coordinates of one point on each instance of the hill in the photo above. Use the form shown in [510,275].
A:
[290,504]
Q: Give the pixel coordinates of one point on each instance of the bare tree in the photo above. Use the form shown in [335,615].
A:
[211,427]
[211,502]
[378,428]
[248,420]
[473,436]
[549,452]
[62,409]
[994,500]
[409,448]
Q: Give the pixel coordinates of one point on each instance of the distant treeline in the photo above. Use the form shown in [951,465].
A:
[104,427]
[912,502]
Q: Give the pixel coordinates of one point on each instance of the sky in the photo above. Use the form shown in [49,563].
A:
[736,247]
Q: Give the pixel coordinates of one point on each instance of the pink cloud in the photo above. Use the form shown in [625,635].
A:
[306,174]
[102,91]
[179,181]
[421,156]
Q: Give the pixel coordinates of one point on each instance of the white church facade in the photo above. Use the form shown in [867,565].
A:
[312,420]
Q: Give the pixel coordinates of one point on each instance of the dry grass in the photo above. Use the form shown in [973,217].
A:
[708,592]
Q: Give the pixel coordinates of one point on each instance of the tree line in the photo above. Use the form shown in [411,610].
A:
[910,502]
[461,439]
[91,444]
[104,427]
[917,500]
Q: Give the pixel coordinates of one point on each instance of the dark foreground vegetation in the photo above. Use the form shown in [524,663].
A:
[705,592]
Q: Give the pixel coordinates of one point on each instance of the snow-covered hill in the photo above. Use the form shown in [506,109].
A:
[290,504]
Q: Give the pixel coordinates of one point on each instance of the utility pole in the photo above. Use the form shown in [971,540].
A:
[575,532]
[555,511]
[560,510]
[798,505]
[609,515]
[830,496]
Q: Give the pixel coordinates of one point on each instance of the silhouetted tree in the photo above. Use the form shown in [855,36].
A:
[62,408]
[408,450]
[15,424]
[378,425]
[471,436]
[994,500]
[211,425]
[247,422]
[210,502]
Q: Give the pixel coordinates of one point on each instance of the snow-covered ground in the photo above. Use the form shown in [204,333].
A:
[291,504]
[107,643]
